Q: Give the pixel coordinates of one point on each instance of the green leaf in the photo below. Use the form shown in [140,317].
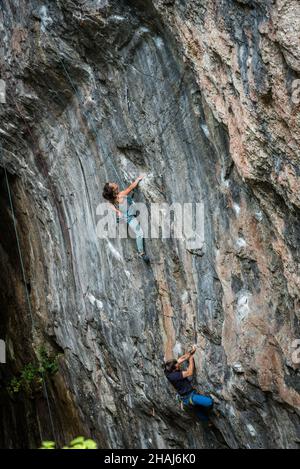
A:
[78,443]
[78,440]
[48,444]
[90,444]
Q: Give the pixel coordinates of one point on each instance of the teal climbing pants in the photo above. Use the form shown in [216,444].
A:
[129,216]
[135,226]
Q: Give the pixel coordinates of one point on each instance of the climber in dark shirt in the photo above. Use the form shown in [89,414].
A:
[187,394]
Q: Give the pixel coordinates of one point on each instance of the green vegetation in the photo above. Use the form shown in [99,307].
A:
[78,443]
[31,378]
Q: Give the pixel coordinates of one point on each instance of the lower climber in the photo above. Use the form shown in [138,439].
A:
[123,205]
[200,403]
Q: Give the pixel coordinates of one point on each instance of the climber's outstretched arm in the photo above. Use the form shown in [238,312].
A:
[131,187]
[190,371]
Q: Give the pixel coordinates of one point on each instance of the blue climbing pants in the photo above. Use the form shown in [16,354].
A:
[201,404]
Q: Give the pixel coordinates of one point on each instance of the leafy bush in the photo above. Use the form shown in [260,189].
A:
[30,379]
[48,364]
[78,443]
[48,445]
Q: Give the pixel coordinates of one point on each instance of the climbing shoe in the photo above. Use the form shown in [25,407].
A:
[144,257]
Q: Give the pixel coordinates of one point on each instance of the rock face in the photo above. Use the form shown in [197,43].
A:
[203,97]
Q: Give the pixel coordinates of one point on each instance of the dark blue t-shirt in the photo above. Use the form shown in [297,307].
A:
[181,384]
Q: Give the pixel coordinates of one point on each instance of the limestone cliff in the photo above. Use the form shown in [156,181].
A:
[202,96]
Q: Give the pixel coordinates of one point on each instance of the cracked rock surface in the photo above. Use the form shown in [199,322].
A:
[203,97]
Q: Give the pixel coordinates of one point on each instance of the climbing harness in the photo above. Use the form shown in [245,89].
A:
[186,400]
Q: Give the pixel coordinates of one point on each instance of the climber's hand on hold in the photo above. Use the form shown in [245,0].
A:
[187,355]
[139,178]
[190,371]
[183,358]
[131,187]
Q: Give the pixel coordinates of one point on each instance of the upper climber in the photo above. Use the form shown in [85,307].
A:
[179,379]
[123,205]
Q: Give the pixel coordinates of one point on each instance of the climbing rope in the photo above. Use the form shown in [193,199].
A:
[95,132]
[44,384]
[67,75]
[18,243]
[80,100]
[33,325]
[170,122]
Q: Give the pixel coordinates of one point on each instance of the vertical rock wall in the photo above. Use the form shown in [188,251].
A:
[199,96]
